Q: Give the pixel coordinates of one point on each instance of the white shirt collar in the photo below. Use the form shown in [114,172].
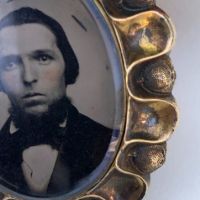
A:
[13,128]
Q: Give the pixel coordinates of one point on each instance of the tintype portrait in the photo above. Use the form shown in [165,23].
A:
[46,144]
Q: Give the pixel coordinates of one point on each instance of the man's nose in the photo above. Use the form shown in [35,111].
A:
[29,72]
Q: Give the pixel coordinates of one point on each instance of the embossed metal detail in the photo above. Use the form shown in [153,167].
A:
[157,77]
[152,78]
[120,8]
[142,158]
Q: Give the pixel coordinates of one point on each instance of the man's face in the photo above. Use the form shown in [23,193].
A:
[31,67]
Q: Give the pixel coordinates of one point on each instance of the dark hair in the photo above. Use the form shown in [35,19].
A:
[29,15]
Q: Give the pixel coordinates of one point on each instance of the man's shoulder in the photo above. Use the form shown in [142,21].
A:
[88,140]
[92,125]
[85,124]
[5,128]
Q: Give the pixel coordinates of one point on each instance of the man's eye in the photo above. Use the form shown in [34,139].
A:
[10,63]
[44,59]
[10,66]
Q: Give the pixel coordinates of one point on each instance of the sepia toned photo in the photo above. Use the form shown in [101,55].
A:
[57,113]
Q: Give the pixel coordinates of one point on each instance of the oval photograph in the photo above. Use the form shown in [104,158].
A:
[61,105]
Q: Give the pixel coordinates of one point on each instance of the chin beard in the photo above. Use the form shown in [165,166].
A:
[55,115]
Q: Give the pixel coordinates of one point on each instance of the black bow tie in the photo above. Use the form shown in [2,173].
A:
[53,136]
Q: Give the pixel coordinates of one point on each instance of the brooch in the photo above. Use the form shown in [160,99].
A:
[86,103]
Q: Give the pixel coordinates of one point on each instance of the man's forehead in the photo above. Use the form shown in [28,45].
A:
[26,38]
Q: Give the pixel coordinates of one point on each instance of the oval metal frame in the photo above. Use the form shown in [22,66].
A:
[145,36]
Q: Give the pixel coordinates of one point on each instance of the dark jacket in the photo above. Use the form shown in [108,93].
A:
[82,146]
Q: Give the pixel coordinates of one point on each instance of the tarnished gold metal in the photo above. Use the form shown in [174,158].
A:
[145,36]
[7,197]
